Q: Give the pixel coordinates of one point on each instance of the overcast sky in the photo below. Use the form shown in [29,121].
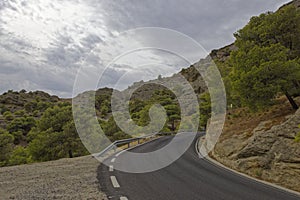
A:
[43,43]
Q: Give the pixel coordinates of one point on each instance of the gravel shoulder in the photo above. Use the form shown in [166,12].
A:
[62,179]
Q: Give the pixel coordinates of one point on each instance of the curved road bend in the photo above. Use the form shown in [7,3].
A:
[188,178]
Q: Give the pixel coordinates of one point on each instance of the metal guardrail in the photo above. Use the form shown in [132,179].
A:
[127,142]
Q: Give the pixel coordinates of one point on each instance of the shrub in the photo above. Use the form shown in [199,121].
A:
[19,156]
[6,148]
[8,116]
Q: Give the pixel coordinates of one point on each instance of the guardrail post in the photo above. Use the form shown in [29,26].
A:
[129,145]
[138,141]
[115,148]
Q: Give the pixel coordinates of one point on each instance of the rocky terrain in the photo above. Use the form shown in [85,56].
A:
[270,153]
[62,179]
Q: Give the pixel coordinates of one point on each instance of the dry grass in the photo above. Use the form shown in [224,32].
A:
[239,121]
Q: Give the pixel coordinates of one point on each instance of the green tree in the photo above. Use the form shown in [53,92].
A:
[112,131]
[105,108]
[20,113]
[282,27]
[22,124]
[173,113]
[8,116]
[71,142]
[19,156]
[261,73]
[6,147]
[55,118]
[267,60]
[205,109]
[55,136]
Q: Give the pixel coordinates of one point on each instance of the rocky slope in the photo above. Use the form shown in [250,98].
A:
[269,154]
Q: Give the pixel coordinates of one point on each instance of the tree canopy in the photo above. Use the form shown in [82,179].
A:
[267,61]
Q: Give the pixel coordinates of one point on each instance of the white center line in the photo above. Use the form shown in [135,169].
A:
[111,168]
[120,153]
[123,198]
[113,160]
[114,182]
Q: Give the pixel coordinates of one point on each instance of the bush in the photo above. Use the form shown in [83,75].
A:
[6,148]
[20,113]
[19,156]
[23,124]
[8,116]
[3,109]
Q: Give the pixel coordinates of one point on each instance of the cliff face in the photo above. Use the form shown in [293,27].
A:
[271,155]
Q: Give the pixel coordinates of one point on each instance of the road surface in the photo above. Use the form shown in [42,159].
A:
[188,178]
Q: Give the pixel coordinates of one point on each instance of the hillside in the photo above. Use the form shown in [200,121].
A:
[261,141]
[262,144]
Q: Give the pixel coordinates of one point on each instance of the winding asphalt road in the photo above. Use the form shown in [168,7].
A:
[188,178]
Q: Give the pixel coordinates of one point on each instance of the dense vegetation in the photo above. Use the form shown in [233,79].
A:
[35,126]
[140,109]
[267,62]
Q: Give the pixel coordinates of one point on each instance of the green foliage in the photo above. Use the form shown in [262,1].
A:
[19,127]
[6,147]
[18,135]
[8,116]
[19,156]
[262,73]
[3,109]
[205,109]
[139,110]
[282,27]
[55,136]
[173,113]
[112,131]
[55,118]
[42,106]
[267,60]
[297,138]
[20,113]
[31,106]
[105,108]
[22,124]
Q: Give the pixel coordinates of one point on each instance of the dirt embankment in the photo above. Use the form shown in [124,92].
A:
[63,179]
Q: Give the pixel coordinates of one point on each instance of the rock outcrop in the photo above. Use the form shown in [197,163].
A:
[272,155]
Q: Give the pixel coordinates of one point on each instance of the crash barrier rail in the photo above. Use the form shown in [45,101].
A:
[114,146]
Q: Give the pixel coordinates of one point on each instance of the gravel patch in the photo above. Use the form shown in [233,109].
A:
[62,179]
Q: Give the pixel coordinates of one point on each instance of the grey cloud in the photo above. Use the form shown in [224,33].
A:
[212,23]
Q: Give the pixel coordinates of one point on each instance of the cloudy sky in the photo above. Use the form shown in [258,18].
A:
[43,43]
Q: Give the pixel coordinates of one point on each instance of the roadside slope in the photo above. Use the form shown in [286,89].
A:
[62,179]
[270,153]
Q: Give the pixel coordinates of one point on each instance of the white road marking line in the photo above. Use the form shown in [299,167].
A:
[111,168]
[123,198]
[114,182]
[120,153]
[113,160]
